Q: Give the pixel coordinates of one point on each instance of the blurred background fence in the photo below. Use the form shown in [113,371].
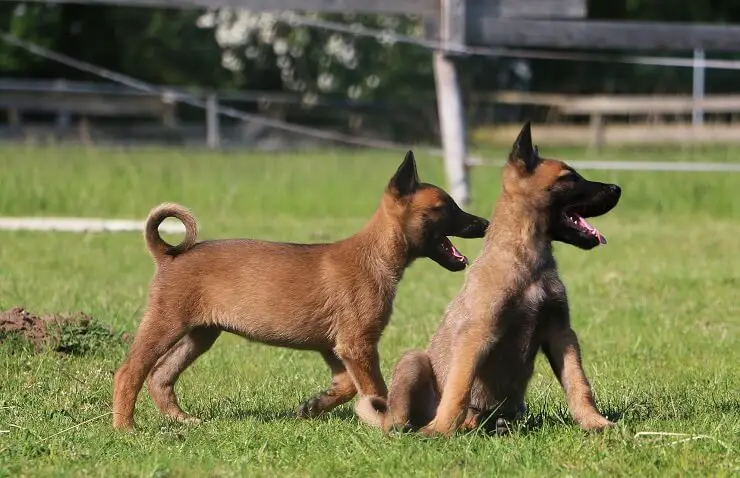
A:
[103,113]
[380,73]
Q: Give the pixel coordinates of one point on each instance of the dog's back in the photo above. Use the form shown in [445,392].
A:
[231,283]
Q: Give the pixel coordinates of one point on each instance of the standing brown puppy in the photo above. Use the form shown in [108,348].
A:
[332,298]
[512,305]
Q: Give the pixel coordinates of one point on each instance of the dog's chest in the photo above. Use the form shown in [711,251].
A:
[533,297]
[522,324]
[510,361]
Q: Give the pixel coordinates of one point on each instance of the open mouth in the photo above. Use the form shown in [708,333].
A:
[578,222]
[451,251]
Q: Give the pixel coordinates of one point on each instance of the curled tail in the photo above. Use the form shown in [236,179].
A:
[154,242]
[373,411]
[412,401]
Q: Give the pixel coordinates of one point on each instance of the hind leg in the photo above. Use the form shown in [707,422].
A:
[473,420]
[413,397]
[162,378]
[156,334]
[341,391]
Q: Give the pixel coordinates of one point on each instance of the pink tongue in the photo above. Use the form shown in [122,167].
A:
[583,223]
[457,254]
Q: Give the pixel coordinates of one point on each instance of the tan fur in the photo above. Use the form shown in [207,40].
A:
[332,298]
[512,305]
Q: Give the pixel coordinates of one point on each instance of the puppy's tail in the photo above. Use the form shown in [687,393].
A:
[412,395]
[154,242]
[373,411]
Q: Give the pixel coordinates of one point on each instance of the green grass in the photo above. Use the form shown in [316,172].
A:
[656,312]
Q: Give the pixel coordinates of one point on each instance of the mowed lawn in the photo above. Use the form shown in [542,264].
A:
[656,311]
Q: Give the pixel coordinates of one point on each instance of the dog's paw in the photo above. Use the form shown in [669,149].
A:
[434,430]
[595,422]
[124,426]
[472,422]
[188,419]
[310,408]
[501,427]
[400,429]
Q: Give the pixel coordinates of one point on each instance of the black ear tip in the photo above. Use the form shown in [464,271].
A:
[525,135]
[406,178]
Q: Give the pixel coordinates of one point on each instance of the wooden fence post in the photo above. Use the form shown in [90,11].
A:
[697,116]
[169,109]
[596,132]
[449,100]
[14,117]
[213,138]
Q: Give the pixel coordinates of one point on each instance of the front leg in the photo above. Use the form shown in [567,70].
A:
[362,361]
[564,354]
[453,406]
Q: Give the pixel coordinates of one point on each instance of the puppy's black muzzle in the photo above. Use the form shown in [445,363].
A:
[600,199]
[469,226]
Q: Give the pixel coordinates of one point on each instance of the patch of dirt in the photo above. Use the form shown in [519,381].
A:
[70,334]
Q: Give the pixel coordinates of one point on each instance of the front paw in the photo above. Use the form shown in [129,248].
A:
[595,422]
[434,429]
[311,408]
[429,430]
[123,424]
[187,419]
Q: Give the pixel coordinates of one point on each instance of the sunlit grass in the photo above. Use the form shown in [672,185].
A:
[656,312]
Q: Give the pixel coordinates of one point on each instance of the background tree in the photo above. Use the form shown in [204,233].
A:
[391,86]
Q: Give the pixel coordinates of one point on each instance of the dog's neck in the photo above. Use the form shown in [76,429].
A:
[520,227]
[385,252]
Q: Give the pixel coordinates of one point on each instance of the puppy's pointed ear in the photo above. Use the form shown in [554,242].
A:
[406,179]
[523,152]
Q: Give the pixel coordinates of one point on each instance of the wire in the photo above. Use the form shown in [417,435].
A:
[191,100]
[356,29]
[388,36]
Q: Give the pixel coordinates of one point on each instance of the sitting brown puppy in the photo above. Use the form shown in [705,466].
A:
[512,305]
[332,298]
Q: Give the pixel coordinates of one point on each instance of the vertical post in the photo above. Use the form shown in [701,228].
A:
[697,117]
[83,129]
[169,109]
[213,139]
[63,119]
[449,100]
[14,117]
[596,132]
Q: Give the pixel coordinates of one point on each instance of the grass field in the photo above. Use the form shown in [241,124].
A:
[656,311]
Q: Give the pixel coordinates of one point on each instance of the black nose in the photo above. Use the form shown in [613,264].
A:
[482,226]
[616,189]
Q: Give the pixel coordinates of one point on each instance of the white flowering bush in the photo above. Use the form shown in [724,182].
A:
[314,61]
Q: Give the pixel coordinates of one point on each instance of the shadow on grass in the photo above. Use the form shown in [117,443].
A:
[238,412]
[233,410]
[533,422]
[728,406]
